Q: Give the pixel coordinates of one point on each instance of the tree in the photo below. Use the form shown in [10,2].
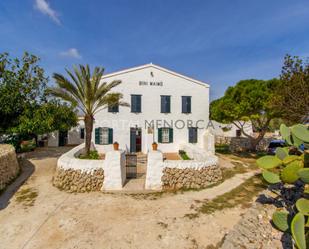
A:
[292,94]
[22,84]
[46,118]
[249,100]
[25,109]
[86,91]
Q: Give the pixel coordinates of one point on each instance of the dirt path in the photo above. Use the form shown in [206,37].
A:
[41,216]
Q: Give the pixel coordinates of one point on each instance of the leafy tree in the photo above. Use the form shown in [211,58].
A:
[46,118]
[22,84]
[292,94]
[249,100]
[25,109]
[86,91]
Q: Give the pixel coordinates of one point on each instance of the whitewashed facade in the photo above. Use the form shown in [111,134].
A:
[136,127]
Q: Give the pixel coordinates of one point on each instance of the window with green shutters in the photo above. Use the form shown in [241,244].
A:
[186,104]
[103,135]
[165,135]
[97,132]
[193,135]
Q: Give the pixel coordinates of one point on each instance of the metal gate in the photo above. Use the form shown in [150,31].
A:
[131,163]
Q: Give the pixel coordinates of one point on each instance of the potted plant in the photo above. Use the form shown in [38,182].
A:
[116,145]
[154,146]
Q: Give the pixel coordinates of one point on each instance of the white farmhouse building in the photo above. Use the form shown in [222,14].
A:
[165,107]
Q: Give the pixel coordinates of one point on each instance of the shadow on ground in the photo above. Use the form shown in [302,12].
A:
[27,169]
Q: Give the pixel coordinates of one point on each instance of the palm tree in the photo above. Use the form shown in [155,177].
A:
[85,91]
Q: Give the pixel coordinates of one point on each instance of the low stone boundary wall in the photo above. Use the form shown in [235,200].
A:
[9,167]
[254,230]
[78,181]
[83,175]
[175,178]
[78,175]
[177,174]
[239,144]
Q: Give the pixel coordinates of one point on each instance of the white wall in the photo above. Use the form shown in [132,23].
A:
[232,132]
[73,136]
[53,139]
[173,85]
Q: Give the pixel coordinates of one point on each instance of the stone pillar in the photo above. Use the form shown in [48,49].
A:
[114,170]
[209,142]
[154,170]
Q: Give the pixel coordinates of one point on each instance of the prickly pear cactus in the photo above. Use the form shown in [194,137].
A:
[285,169]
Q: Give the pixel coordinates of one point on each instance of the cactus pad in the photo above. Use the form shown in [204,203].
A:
[290,159]
[301,132]
[271,177]
[282,153]
[285,133]
[268,162]
[304,175]
[289,174]
[302,205]
[280,219]
[298,230]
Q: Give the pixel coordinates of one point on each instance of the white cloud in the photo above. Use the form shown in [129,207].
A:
[72,52]
[44,7]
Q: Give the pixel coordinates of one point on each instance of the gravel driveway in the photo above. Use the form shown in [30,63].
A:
[39,215]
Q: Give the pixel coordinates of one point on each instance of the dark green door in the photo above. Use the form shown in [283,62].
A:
[63,138]
[135,140]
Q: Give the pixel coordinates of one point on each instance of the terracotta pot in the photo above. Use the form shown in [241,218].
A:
[154,146]
[116,146]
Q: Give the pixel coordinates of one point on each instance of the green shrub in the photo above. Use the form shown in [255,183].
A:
[184,155]
[222,148]
[27,145]
[93,155]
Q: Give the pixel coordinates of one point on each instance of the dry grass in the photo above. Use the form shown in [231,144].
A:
[27,196]
[241,195]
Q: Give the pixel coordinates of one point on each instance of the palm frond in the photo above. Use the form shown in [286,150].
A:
[85,90]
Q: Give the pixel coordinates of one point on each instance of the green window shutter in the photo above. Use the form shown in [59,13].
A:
[171,135]
[190,135]
[97,135]
[110,135]
[160,135]
[82,133]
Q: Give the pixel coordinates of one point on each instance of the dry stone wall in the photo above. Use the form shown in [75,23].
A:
[9,167]
[73,180]
[254,230]
[185,178]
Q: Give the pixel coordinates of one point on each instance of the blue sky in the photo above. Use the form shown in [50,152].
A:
[219,42]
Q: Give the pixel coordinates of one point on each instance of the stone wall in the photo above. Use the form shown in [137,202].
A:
[176,174]
[83,175]
[78,175]
[254,230]
[73,180]
[239,144]
[175,178]
[9,167]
